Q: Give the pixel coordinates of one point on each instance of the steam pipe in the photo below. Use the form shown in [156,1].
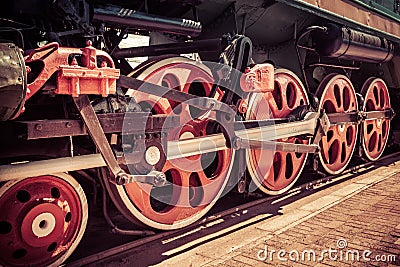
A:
[118,16]
[344,43]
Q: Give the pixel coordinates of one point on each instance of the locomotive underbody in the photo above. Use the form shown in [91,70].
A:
[265,89]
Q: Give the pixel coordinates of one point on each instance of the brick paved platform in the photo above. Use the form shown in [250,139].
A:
[353,223]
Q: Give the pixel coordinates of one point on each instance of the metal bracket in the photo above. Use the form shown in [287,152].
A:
[72,78]
[120,177]
[154,178]
[322,128]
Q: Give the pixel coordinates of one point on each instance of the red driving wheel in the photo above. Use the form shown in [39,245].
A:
[375,132]
[336,94]
[197,181]
[42,220]
[286,167]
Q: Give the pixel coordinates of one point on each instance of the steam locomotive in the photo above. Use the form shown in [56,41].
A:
[232,94]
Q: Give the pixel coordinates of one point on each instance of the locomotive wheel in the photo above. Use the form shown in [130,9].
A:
[336,94]
[286,167]
[196,182]
[42,220]
[375,132]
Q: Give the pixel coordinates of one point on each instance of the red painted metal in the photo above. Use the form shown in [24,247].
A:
[288,93]
[375,132]
[40,219]
[337,95]
[259,78]
[242,106]
[72,79]
[196,180]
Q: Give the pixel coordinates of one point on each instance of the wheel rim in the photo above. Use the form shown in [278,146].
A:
[46,222]
[194,188]
[375,132]
[286,167]
[336,94]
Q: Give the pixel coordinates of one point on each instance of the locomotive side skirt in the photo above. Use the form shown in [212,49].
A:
[356,14]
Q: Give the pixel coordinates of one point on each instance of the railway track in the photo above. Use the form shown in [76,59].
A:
[227,221]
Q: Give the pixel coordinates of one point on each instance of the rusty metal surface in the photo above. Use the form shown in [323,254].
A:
[89,117]
[110,123]
[12,81]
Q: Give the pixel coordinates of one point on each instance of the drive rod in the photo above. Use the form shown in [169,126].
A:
[175,149]
[216,142]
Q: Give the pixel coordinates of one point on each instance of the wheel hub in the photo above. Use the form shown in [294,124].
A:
[42,225]
[152,155]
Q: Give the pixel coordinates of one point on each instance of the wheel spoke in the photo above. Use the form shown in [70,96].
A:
[194,184]
[277,174]
[280,170]
[270,174]
[375,132]
[336,95]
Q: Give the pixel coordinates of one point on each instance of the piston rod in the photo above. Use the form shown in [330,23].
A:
[50,166]
[118,16]
[175,149]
